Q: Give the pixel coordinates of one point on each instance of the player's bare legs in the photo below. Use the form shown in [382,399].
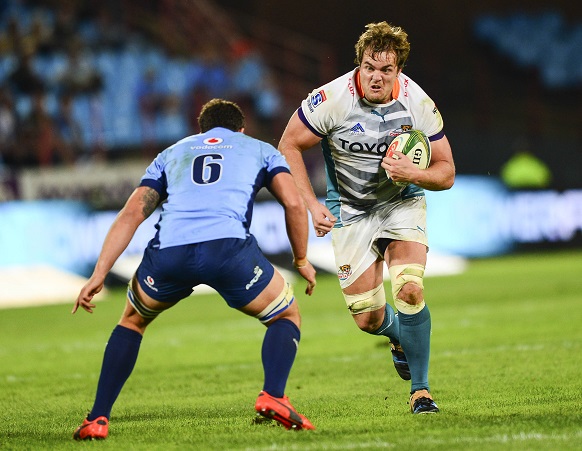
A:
[371,278]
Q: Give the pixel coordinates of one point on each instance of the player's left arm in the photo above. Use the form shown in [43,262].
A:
[140,205]
[296,221]
[440,174]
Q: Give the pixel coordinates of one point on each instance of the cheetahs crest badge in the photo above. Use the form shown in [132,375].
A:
[344,272]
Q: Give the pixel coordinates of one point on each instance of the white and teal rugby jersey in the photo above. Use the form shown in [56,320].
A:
[210,182]
[356,135]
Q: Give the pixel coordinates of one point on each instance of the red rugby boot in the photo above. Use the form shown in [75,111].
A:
[92,430]
[281,410]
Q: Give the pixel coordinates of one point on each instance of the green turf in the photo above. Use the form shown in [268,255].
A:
[505,369]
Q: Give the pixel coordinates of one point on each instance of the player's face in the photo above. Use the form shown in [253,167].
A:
[377,76]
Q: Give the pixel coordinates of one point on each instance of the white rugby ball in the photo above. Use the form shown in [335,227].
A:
[415,145]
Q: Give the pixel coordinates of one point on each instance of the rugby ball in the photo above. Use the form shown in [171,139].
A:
[415,145]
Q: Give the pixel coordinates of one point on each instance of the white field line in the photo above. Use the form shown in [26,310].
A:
[501,439]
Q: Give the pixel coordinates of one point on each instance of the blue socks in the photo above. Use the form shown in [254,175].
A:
[278,354]
[118,362]
[390,327]
[415,342]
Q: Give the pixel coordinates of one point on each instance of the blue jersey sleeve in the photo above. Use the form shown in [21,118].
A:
[275,164]
[155,177]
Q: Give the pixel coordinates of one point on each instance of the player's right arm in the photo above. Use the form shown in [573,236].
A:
[296,139]
[140,205]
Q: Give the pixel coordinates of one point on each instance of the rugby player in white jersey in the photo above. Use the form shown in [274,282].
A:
[372,220]
[206,185]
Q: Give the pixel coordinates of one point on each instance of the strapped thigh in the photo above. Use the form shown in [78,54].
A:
[369,301]
[138,305]
[278,305]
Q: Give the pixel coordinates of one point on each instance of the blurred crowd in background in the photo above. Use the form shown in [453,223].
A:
[80,83]
[95,81]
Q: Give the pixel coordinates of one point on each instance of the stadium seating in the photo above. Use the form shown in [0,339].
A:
[543,41]
[120,71]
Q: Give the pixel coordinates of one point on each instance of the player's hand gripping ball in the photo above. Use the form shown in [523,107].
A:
[415,145]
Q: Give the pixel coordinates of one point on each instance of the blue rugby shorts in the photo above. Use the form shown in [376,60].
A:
[235,268]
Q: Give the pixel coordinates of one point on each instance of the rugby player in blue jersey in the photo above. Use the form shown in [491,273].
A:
[206,185]
[373,221]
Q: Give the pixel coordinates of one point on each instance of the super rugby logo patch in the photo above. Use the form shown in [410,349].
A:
[316,99]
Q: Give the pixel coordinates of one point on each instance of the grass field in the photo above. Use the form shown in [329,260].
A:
[506,371]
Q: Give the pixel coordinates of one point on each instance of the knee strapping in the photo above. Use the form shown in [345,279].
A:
[400,275]
[369,301]
[279,304]
[140,308]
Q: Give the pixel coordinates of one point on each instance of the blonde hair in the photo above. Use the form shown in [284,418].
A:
[382,37]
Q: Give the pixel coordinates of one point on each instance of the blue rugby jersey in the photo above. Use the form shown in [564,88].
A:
[210,182]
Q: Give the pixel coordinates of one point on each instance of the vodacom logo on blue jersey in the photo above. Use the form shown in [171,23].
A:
[212,143]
